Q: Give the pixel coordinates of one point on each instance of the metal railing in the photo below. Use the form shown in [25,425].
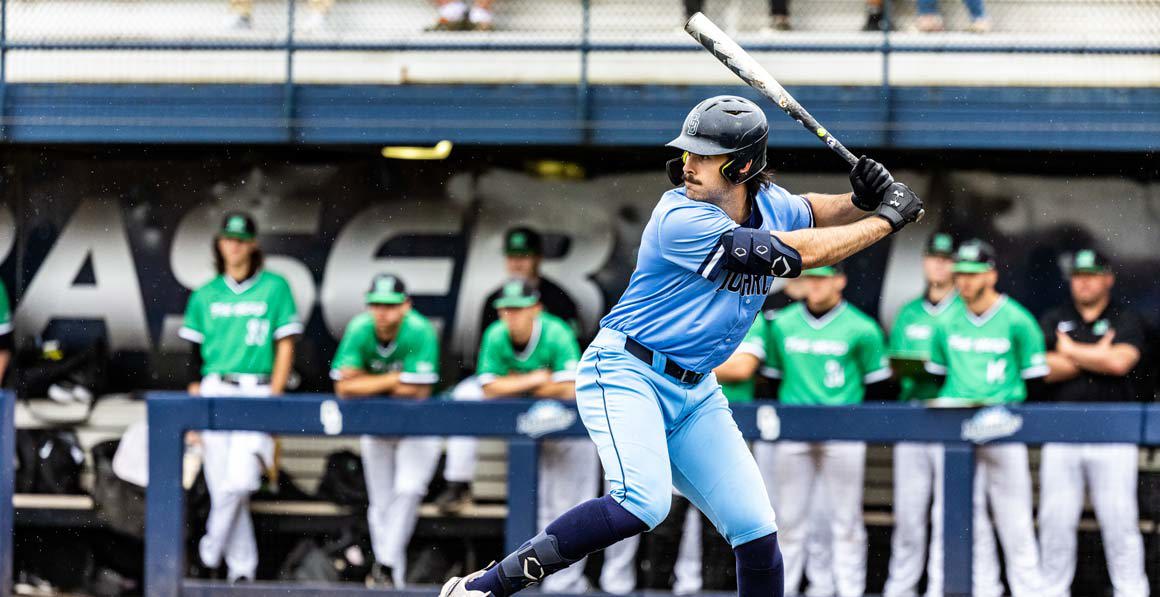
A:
[171,414]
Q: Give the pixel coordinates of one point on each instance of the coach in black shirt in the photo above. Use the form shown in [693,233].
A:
[1093,344]
[523,250]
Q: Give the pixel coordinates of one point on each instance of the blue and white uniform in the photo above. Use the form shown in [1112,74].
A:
[652,431]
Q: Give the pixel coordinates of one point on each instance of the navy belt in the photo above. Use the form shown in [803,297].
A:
[672,369]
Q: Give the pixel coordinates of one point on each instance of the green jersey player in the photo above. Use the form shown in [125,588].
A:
[825,351]
[918,466]
[390,351]
[986,351]
[243,324]
[530,353]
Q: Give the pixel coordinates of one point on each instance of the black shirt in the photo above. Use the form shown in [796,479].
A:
[1089,386]
[552,297]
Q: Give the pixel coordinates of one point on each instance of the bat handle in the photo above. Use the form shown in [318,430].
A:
[845,153]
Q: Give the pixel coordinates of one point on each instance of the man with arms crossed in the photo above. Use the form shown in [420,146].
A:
[1093,343]
[645,388]
[390,350]
[987,352]
[918,466]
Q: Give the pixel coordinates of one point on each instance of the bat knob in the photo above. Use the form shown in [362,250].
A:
[921,213]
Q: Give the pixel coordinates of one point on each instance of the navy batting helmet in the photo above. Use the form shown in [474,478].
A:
[724,125]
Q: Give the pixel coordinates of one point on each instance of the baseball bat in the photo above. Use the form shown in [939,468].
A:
[743,65]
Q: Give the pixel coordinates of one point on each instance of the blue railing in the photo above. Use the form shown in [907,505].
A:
[172,413]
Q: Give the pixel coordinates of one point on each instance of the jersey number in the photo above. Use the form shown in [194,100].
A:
[996,371]
[835,375]
[257,330]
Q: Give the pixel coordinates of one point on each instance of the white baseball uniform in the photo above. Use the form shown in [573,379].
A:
[233,462]
[1003,481]
[918,491]
[1109,471]
[397,472]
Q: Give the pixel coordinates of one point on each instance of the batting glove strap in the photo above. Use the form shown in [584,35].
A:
[900,206]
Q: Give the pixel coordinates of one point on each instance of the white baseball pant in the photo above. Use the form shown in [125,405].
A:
[1003,479]
[460,464]
[1109,471]
[918,499]
[803,472]
[569,474]
[819,566]
[233,462]
[397,472]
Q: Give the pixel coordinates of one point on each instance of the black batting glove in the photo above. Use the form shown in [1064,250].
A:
[900,206]
[869,179]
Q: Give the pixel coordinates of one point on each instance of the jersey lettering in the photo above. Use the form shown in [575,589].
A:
[746,284]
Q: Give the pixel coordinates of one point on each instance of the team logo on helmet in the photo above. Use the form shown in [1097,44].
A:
[694,123]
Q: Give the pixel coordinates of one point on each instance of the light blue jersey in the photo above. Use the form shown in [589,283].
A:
[680,301]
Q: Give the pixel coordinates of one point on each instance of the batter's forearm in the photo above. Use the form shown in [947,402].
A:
[834,210]
[827,246]
[283,360]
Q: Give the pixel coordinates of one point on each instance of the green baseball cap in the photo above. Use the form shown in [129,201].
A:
[516,293]
[1089,261]
[386,290]
[826,271]
[974,257]
[940,244]
[238,225]
[523,241]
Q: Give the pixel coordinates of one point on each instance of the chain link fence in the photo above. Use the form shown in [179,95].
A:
[551,41]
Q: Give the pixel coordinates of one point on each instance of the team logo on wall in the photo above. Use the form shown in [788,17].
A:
[768,423]
[991,423]
[544,417]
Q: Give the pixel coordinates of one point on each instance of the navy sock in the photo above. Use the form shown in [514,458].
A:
[760,571]
[587,527]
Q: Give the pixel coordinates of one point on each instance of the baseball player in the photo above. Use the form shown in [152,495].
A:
[738,378]
[645,388]
[987,352]
[391,351]
[244,324]
[1093,343]
[531,353]
[523,250]
[918,466]
[824,351]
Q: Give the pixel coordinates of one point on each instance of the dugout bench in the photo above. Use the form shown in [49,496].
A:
[171,413]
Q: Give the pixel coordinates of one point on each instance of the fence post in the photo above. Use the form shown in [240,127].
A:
[582,100]
[288,84]
[164,496]
[522,485]
[7,510]
[958,513]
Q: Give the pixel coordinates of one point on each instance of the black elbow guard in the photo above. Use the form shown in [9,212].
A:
[750,251]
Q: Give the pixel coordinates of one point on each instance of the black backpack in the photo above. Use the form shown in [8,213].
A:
[117,502]
[48,461]
[343,482]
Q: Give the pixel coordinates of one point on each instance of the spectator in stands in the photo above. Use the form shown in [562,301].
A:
[918,466]
[930,21]
[1093,344]
[242,15]
[738,377]
[391,351]
[778,14]
[454,15]
[990,352]
[523,253]
[243,324]
[530,353]
[825,352]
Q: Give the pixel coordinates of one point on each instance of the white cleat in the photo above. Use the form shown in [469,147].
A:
[457,586]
